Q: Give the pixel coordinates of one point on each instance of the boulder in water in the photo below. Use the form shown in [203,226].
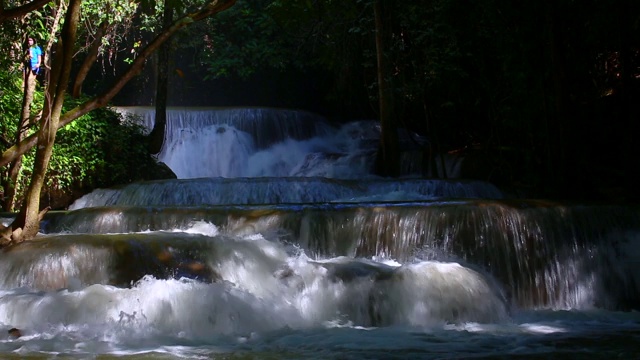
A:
[14,333]
[160,171]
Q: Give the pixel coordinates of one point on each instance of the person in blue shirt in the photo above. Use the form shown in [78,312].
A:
[35,56]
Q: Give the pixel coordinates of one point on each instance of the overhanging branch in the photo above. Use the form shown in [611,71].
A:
[20,10]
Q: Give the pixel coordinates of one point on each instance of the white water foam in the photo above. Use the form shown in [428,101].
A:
[274,298]
[265,288]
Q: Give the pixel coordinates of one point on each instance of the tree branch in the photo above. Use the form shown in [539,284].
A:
[92,55]
[20,10]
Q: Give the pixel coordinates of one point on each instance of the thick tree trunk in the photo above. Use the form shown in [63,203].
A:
[388,158]
[156,136]
[29,81]
[27,223]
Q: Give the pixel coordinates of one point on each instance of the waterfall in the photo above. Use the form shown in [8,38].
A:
[291,190]
[263,142]
[546,254]
[276,240]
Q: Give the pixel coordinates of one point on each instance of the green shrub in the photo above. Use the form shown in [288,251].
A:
[100,149]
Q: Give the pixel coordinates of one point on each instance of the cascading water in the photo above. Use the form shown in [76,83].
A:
[276,241]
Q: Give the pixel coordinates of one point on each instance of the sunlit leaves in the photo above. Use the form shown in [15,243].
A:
[114,16]
[113,11]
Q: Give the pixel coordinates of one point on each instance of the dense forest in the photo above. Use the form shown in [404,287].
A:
[540,98]
[541,95]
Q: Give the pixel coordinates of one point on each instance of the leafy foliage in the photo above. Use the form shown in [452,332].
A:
[529,87]
[115,19]
[10,100]
[243,41]
[100,149]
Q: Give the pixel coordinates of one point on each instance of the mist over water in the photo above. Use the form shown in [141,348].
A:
[276,241]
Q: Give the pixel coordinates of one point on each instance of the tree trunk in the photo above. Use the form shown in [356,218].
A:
[29,81]
[26,120]
[388,157]
[156,136]
[556,178]
[27,222]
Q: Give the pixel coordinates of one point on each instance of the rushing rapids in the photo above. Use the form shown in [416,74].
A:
[277,242]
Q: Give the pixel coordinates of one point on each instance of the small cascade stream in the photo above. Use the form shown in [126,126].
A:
[276,241]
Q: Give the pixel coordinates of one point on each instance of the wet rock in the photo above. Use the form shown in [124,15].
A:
[14,333]
[160,171]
